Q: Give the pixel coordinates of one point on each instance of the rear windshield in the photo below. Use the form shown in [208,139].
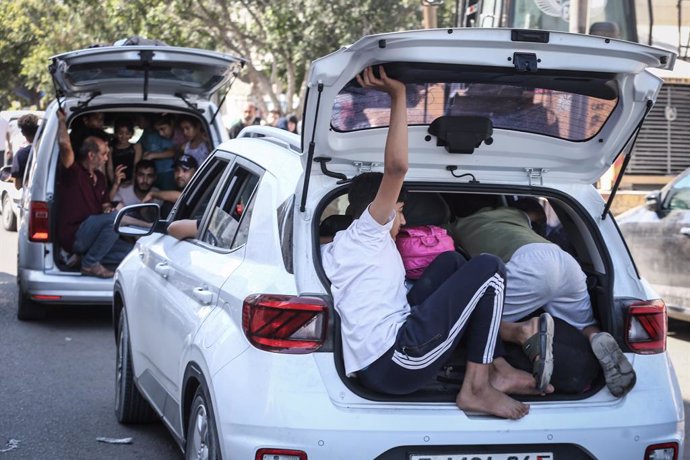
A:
[204,77]
[550,112]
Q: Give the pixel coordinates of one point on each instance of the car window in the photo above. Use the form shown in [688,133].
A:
[229,222]
[195,202]
[679,195]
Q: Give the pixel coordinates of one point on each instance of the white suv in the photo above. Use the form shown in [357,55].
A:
[231,337]
[121,80]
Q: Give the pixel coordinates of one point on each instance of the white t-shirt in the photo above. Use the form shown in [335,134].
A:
[368,285]
[126,195]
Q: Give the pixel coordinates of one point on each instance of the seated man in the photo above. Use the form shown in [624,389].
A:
[185,167]
[392,346]
[134,193]
[541,275]
[85,226]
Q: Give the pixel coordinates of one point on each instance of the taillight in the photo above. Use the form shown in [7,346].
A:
[39,226]
[280,454]
[285,324]
[665,451]
[646,327]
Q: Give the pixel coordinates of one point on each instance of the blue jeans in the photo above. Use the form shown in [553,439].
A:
[97,241]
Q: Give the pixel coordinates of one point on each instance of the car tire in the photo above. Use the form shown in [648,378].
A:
[27,309]
[9,220]
[130,405]
[202,435]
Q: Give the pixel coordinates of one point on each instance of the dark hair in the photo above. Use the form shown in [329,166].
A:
[164,119]
[28,125]
[145,164]
[189,119]
[363,190]
[89,145]
[124,122]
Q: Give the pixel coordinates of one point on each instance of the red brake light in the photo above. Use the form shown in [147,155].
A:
[280,454]
[663,451]
[285,324]
[39,225]
[646,327]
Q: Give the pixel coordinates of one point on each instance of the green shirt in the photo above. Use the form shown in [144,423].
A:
[499,231]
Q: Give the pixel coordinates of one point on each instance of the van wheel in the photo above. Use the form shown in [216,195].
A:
[27,309]
[202,436]
[9,220]
[130,405]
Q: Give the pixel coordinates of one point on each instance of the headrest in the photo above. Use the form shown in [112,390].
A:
[426,209]
[333,224]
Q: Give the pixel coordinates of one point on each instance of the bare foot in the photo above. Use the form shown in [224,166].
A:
[489,400]
[507,379]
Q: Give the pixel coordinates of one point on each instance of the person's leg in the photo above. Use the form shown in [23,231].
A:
[438,271]
[118,252]
[469,302]
[95,237]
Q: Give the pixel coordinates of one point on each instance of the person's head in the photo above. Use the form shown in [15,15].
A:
[123,130]
[535,212]
[144,176]
[249,113]
[273,117]
[363,190]
[191,128]
[165,125]
[185,167]
[28,125]
[292,123]
[93,152]
[94,120]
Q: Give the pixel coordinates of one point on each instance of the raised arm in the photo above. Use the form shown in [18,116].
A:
[64,143]
[396,151]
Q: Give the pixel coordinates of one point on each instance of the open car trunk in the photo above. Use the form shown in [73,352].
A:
[578,235]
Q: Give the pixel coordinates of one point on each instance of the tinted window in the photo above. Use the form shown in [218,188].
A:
[229,222]
[195,202]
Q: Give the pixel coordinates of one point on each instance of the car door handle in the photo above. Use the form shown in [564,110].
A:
[685,231]
[203,295]
[162,269]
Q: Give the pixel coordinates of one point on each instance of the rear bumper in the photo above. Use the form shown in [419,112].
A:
[65,288]
[282,408]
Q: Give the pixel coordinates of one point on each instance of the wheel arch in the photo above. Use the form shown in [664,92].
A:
[118,306]
[193,379]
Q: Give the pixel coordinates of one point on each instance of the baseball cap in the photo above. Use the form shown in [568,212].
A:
[186,162]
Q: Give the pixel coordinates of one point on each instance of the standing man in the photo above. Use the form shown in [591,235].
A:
[28,125]
[86,217]
[4,138]
[134,193]
[248,118]
[185,167]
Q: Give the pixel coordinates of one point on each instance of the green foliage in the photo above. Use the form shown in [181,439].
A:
[279,37]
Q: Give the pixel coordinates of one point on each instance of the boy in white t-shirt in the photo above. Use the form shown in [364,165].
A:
[390,346]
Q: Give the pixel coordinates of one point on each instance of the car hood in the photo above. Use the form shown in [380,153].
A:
[149,69]
[562,106]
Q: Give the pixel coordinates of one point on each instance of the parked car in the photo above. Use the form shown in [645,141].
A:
[231,337]
[9,199]
[120,80]
[658,235]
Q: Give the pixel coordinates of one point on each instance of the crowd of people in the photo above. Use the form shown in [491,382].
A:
[251,116]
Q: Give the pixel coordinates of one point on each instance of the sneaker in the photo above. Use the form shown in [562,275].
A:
[97,270]
[618,372]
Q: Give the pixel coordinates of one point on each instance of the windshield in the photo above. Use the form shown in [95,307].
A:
[542,111]
[611,18]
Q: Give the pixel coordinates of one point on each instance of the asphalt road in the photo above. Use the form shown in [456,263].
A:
[57,380]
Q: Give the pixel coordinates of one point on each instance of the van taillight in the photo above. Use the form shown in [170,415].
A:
[39,228]
[646,327]
[284,323]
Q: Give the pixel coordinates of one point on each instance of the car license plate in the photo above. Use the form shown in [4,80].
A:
[520,456]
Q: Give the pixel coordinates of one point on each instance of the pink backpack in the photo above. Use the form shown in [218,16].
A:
[419,246]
